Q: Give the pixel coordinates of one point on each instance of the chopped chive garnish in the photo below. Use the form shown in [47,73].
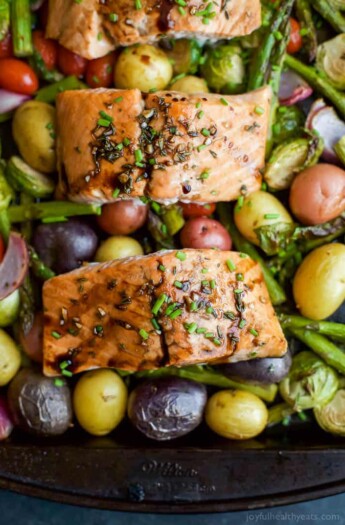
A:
[138,154]
[253,332]
[259,110]
[181,256]
[209,310]
[193,307]
[200,114]
[164,229]
[176,313]
[239,277]
[178,284]
[162,268]
[277,35]
[170,308]
[138,4]
[198,105]
[66,373]
[201,147]
[155,206]
[64,365]
[155,324]
[56,335]
[105,115]
[231,265]
[243,323]
[204,270]
[200,330]
[212,284]
[205,175]
[271,216]
[191,328]
[205,283]
[217,341]
[209,335]
[143,334]
[118,100]
[159,303]
[243,255]
[116,193]
[103,122]
[238,291]
[126,141]
[113,17]
[224,101]
[239,203]
[205,132]
[59,382]
[181,11]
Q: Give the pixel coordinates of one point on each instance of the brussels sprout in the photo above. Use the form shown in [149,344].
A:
[224,69]
[331,417]
[330,60]
[6,192]
[190,84]
[26,179]
[310,383]
[184,55]
[289,122]
[9,308]
[289,159]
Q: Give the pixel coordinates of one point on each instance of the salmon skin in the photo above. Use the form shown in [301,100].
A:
[167,308]
[167,146]
[92,28]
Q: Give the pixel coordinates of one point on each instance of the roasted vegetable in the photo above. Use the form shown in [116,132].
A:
[99,401]
[9,309]
[331,416]
[9,358]
[184,55]
[24,178]
[167,408]
[202,232]
[330,60]
[309,36]
[21,27]
[319,283]
[40,405]
[189,84]
[117,247]
[223,68]
[143,67]
[310,382]
[290,158]
[328,11]
[235,414]
[6,192]
[123,217]
[288,124]
[336,330]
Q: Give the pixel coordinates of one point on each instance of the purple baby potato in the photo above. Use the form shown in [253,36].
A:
[63,246]
[167,407]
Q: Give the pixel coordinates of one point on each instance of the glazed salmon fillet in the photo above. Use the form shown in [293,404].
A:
[168,308]
[92,28]
[167,146]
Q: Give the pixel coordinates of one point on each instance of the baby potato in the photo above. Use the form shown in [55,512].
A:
[317,194]
[33,131]
[10,359]
[319,283]
[143,67]
[190,84]
[123,217]
[100,401]
[117,247]
[9,308]
[235,414]
[259,209]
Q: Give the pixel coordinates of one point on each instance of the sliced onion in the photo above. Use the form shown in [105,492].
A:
[317,105]
[6,425]
[36,4]
[293,89]
[330,127]
[14,265]
[10,100]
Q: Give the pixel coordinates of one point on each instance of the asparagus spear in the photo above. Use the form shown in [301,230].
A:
[50,210]
[275,291]
[39,269]
[4,18]
[49,93]
[305,17]
[27,306]
[21,28]
[327,350]
[335,330]
[262,63]
[5,225]
[331,14]
[313,77]
[209,376]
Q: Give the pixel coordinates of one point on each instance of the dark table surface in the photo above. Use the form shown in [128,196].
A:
[23,510]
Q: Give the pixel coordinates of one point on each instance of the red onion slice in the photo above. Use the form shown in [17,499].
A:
[14,265]
[6,425]
[293,89]
[10,101]
[328,125]
[317,105]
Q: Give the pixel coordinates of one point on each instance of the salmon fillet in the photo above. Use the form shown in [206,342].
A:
[167,308]
[92,28]
[201,148]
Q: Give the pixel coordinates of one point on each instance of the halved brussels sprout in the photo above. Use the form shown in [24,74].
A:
[331,417]
[289,123]
[289,159]
[6,192]
[311,382]
[330,60]
[184,55]
[224,69]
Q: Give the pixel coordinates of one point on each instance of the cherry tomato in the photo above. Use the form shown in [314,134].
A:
[71,63]
[295,42]
[17,76]
[100,72]
[197,210]
[47,48]
[2,248]
[6,49]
